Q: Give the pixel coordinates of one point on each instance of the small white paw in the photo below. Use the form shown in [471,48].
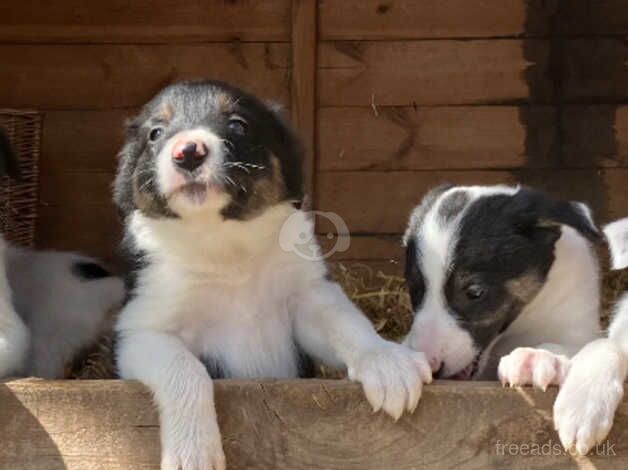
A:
[529,366]
[586,404]
[191,444]
[392,377]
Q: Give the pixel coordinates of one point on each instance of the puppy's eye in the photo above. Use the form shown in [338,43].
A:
[475,292]
[238,125]
[155,133]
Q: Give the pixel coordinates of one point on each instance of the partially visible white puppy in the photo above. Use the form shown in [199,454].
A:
[63,299]
[52,304]
[594,387]
[594,384]
[13,332]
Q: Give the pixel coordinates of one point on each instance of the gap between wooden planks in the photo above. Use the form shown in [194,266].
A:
[293,425]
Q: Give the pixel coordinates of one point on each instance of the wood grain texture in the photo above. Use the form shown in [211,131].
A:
[292,425]
[380,202]
[416,138]
[123,76]
[82,140]
[419,19]
[304,52]
[440,72]
[144,21]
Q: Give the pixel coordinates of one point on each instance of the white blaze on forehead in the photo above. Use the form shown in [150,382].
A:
[437,237]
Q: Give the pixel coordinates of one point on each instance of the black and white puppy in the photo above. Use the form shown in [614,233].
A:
[206,185]
[494,268]
[52,304]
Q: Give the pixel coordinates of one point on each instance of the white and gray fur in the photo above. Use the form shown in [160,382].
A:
[494,268]
[594,383]
[52,304]
[214,294]
[63,298]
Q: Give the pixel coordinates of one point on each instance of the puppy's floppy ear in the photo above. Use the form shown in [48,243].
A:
[535,211]
[8,159]
[617,237]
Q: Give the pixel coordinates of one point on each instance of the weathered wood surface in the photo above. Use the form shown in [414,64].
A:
[293,425]
[373,202]
[304,52]
[495,71]
[119,76]
[143,21]
[353,73]
[420,19]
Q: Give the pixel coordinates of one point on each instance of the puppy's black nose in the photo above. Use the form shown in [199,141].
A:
[189,155]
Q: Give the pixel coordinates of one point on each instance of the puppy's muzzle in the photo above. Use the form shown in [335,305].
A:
[188,155]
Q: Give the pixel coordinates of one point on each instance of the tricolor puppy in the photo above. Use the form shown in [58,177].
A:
[594,384]
[207,182]
[490,269]
[52,304]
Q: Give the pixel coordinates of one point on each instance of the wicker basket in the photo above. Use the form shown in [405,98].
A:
[18,200]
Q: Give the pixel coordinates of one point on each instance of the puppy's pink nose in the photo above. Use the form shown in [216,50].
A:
[189,154]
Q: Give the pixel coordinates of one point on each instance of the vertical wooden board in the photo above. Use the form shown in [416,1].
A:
[123,76]
[143,21]
[453,137]
[432,72]
[304,45]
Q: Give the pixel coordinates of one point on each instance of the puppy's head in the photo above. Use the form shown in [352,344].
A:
[476,256]
[207,146]
[8,160]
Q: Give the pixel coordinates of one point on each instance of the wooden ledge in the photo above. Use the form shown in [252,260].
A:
[296,425]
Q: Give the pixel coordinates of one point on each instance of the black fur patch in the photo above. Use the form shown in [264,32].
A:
[88,271]
[414,277]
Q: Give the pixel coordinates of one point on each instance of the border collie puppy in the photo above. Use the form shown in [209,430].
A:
[494,268]
[594,384]
[13,332]
[61,299]
[207,180]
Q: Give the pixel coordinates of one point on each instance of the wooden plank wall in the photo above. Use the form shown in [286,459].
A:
[392,97]
[417,93]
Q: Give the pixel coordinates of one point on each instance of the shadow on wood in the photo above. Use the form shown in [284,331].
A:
[294,425]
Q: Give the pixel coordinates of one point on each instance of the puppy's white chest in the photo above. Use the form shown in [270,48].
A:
[241,331]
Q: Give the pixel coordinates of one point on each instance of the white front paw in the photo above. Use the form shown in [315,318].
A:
[191,444]
[392,377]
[586,403]
[529,366]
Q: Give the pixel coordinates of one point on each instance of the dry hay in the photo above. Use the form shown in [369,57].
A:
[382,297]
